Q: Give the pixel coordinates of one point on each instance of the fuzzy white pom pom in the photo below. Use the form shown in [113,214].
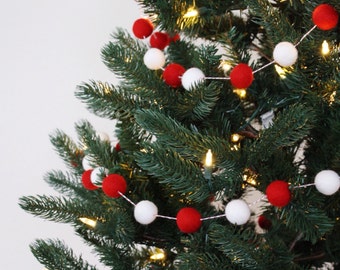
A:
[87,163]
[98,174]
[237,212]
[285,54]
[103,136]
[327,182]
[145,212]
[191,77]
[154,59]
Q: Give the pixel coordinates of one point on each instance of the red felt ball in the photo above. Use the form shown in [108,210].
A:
[188,220]
[142,28]
[278,193]
[86,180]
[264,222]
[172,75]
[175,38]
[117,147]
[325,17]
[241,76]
[159,40]
[113,184]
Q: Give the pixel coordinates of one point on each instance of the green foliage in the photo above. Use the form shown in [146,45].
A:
[164,134]
[54,254]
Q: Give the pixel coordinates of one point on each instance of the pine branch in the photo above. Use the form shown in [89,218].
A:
[53,254]
[171,169]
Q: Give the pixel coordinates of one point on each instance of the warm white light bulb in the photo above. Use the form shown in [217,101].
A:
[157,256]
[90,222]
[325,48]
[191,12]
[208,159]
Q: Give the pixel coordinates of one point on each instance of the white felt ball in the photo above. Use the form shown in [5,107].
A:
[98,174]
[191,77]
[327,182]
[145,212]
[285,54]
[86,163]
[103,136]
[154,59]
[237,212]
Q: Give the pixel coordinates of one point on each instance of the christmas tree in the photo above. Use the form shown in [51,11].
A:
[216,99]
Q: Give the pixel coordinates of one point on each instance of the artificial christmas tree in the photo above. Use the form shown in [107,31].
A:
[171,194]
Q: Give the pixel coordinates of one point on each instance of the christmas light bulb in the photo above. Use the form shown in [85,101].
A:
[157,255]
[191,12]
[325,48]
[280,71]
[242,93]
[235,138]
[208,159]
[90,222]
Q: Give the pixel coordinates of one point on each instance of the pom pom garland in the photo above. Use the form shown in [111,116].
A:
[159,40]
[237,212]
[327,182]
[86,180]
[191,77]
[172,75]
[113,185]
[188,220]
[241,76]
[285,54]
[145,212]
[154,59]
[142,28]
[325,17]
[278,193]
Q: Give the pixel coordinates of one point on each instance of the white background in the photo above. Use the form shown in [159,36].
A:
[48,47]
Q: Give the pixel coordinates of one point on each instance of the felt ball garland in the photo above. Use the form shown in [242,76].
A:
[278,193]
[237,211]
[188,220]
[172,75]
[159,40]
[241,76]
[285,54]
[325,17]
[142,28]
[327,182]
[154,59]
[114,185]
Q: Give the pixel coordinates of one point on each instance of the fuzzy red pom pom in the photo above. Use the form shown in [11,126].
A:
[278,193]
[175,38]
[264,222]
[117,147]
[188,220]
[142,28]
[172,74]
[86,180]
[241,76]
[325,17]
[113,184]
[159,40]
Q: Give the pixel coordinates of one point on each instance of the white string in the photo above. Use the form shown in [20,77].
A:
[126,198]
